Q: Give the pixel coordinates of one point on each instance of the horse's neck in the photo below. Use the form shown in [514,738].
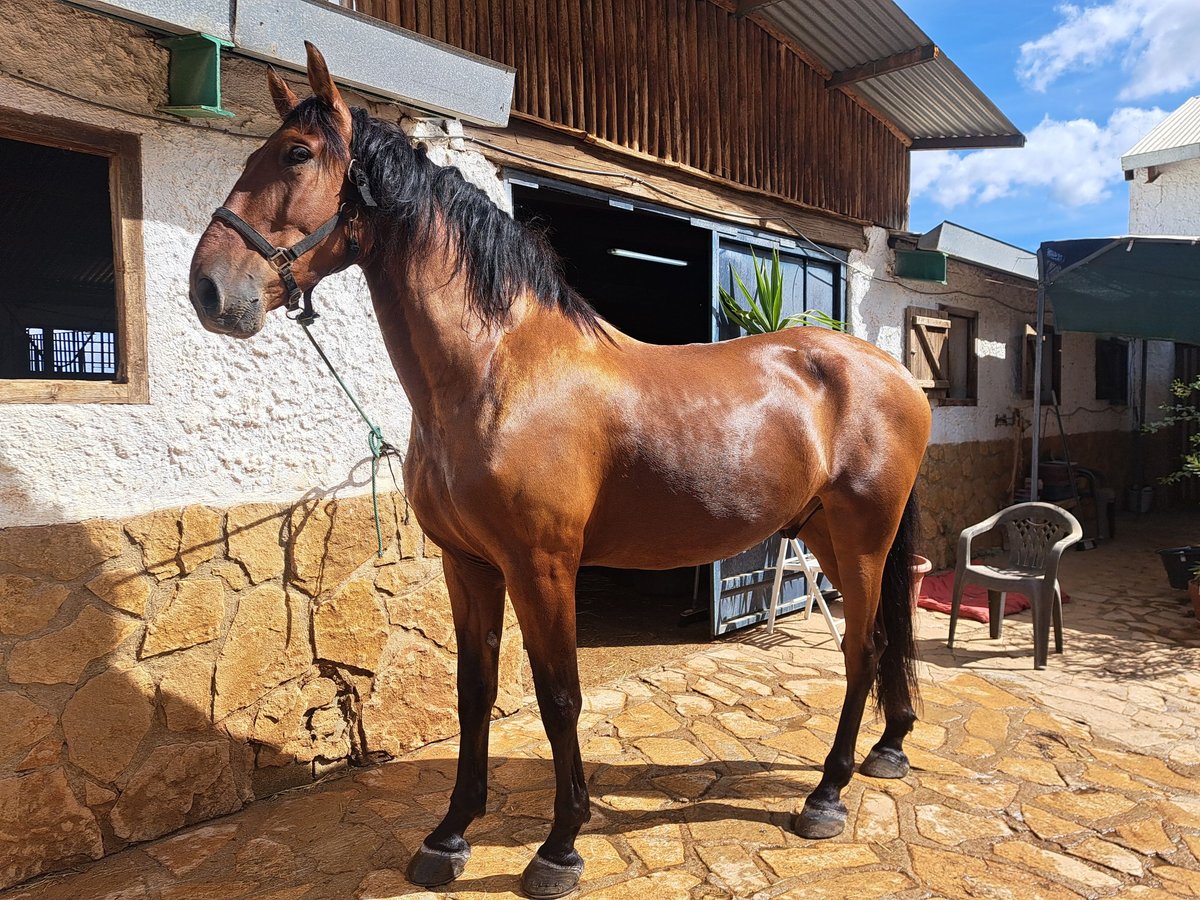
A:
[438,347]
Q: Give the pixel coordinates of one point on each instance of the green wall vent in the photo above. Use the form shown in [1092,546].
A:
[921,265]
[194,76]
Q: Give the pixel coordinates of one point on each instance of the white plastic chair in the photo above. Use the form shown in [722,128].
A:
[794,557]
[1038,533]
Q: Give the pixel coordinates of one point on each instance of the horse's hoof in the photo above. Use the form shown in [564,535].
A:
[884,762]
[817,823]
[544,879]
[430,867]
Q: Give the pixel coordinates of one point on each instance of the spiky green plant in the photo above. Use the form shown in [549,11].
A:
[763,309]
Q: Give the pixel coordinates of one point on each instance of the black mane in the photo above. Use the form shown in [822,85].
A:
[500,256]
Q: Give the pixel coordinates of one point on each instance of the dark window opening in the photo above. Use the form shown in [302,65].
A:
[1051,364]
[58,299]
[1112,370]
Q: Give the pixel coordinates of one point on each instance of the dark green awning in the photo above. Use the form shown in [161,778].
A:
[1143,287]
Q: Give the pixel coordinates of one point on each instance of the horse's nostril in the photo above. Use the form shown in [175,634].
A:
[208,297]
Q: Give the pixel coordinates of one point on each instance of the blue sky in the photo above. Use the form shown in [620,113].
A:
[1084,81]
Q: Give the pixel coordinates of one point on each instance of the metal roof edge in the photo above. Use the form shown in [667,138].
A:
[1164,157]
[970,246]
[876,53]
[365,53]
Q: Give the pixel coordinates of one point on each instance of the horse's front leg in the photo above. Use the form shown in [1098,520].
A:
[477,599]
[543,594]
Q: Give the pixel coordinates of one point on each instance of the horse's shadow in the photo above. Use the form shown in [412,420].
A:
[405,799]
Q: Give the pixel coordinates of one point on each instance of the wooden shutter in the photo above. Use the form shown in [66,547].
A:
[927,348]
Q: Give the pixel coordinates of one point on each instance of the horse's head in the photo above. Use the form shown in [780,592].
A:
[285,225]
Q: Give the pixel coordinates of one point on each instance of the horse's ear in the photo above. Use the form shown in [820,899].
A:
[326,90]
[285,99]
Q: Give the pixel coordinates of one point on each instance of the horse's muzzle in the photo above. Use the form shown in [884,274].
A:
[223,313]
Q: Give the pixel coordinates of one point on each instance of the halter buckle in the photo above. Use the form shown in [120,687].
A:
[281,259]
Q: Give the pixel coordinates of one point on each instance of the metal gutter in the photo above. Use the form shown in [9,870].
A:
[971,246]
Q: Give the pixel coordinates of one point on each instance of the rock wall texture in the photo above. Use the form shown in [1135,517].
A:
[227,420]
[165,669]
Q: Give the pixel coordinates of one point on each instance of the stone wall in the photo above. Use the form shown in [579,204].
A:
[165,669]
[961,484]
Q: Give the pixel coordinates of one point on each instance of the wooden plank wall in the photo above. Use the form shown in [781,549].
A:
[682,80]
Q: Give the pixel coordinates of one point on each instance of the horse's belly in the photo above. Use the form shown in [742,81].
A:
[643,525]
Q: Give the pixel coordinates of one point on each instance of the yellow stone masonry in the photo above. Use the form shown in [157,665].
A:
[163,670]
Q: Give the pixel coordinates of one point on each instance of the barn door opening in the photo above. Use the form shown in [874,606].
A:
[655,273]
[649,274]
[741,585]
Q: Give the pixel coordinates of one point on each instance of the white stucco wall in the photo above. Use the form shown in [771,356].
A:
[877,301]
[1168,205]
[229,421]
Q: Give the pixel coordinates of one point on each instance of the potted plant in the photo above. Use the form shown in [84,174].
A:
[921,566]
[763,309]
[1182,563]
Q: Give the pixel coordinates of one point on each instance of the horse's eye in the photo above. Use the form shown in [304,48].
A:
[299,155]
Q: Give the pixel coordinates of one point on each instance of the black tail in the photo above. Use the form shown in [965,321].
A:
[896,677]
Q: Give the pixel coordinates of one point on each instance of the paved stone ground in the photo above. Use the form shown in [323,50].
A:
[1079,781]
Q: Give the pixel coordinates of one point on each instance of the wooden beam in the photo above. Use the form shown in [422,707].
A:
[876,67]
[745,7]
[968,143]
[557,150]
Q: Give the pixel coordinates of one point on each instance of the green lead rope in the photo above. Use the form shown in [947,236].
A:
[375,440]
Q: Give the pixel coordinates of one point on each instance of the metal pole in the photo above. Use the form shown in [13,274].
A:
[1039,329]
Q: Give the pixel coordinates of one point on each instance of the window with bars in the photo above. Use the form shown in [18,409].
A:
[56,353]
[72,320]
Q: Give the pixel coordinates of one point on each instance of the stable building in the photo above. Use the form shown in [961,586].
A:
[193,612]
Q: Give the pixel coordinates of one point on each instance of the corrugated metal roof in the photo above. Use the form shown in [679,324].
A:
[1174,139]
[929,99]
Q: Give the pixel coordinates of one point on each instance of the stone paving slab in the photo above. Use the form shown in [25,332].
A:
[693,799]
[1082,780]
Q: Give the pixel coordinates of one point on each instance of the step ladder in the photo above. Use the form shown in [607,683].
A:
[794,557]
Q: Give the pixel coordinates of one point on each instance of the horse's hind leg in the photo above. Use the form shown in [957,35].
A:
[477,599]
[543,595]
[896,642]
[858,531]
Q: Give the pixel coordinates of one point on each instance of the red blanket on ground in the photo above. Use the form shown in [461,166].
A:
[937,593]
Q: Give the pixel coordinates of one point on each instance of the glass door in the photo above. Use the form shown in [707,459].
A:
[741,585]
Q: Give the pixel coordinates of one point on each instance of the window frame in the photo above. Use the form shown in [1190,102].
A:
[130,384]
[1112,342]
[938,390]
[971,318]
[1051,361]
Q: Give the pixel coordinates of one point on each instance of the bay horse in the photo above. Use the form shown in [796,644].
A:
[544,439]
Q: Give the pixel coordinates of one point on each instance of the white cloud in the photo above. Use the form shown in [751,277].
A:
[1076,161]
[1155,42]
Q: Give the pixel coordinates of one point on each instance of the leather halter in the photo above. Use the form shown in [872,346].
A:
[281,258]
